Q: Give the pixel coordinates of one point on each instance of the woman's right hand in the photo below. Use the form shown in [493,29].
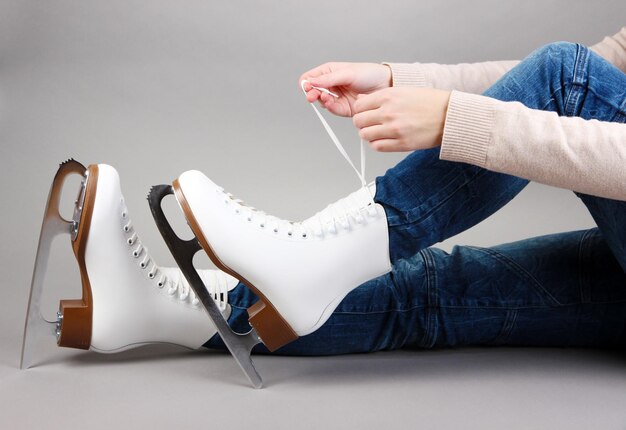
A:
[347,80]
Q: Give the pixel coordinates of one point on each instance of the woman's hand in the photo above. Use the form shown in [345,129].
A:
[348,81]
[402,119]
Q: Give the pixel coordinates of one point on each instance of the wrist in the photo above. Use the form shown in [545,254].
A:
[407,75]
[389,75]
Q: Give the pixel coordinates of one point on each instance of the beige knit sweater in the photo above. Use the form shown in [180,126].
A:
[568,152]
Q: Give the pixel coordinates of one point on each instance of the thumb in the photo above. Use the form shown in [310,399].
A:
[343,77]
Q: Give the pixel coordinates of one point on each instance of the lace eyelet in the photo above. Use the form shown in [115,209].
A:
[289,234]
[304,236]
[249,219]
[130,241]
[160,284]
[126,228]
[142,265]
[275,230]
[135,254]
[123,214]
[262,225]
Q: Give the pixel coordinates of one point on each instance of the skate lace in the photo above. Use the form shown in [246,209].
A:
[216,285]
[360,174]
[339,215]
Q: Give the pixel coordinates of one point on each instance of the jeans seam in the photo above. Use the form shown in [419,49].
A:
[582,251]
[500,308]
[429,337]
[507,327]
[519,270]
[578,80]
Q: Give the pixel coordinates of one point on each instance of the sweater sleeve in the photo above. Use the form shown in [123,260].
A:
[475,78]
[587,156]
[472,78]
[613,49]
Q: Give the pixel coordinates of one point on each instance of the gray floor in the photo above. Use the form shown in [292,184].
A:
[156,88]
[474,388]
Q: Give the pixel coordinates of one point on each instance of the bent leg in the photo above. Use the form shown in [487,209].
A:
[428,200]
[585,85]
[592,89]
[559,290]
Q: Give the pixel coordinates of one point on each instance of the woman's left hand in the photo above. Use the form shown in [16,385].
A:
[402,118]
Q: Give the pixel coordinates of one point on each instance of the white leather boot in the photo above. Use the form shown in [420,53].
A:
[128,300]
[300,271]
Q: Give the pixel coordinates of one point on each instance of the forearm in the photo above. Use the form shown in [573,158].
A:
[567,152]
[475,78]
[472,78]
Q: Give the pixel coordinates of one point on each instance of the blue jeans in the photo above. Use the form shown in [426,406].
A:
[566,289]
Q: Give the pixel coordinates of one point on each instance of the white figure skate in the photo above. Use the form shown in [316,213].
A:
[127,300]
[300,271]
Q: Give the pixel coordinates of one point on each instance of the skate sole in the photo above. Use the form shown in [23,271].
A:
[76,315]
[271,327]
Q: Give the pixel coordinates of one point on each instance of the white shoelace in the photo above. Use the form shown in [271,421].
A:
[335,216]
[217,285]
[335,139]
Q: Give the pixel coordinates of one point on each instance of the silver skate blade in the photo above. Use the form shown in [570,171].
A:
[239,345]
[53,224]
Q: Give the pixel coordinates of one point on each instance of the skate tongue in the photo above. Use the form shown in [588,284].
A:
[335,139]
[338,214]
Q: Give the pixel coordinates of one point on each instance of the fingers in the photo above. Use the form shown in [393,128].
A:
[341,77]
[367,118]
[324,99]
[312,95]
[370,101]
[387,145]
[317,71]
[339,107]
[375,132]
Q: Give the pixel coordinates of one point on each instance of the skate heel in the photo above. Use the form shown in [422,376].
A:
[74,324]
[269,325]
[75,316]
[272,328]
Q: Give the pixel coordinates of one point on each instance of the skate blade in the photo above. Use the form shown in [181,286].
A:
[53,224]
[239,345]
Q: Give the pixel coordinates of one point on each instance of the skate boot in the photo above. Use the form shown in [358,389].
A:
[128,300]
[300,271]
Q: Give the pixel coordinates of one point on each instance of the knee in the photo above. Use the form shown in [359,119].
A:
[540,79]
[554,54]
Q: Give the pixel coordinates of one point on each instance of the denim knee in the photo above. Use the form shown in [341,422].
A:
[543,79]
[558,51]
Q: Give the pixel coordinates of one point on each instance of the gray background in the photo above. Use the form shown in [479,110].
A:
[158,87]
